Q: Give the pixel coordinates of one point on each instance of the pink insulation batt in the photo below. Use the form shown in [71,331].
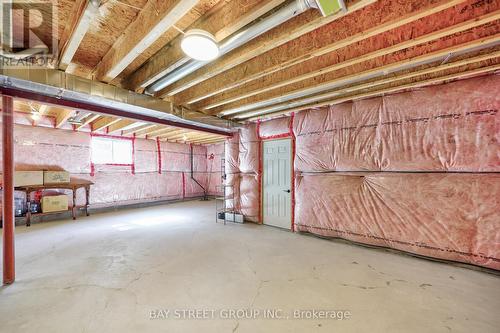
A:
[38,148]
[416,171]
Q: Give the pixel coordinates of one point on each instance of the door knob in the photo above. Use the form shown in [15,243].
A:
[287,191]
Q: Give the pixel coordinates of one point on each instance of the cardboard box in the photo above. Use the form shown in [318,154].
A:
[55,177]
[25,178]
[56,203]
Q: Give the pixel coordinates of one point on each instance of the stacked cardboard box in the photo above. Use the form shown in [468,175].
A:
[54,203]
[25,178]
[55,177]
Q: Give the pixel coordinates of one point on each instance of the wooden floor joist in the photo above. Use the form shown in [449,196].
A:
[464,26]
[479,71]
[44,109]
[159,133]
[147,129]
[344,81]
[200,136]
[62,117]
[120,125]
[138,130]
[88,120]
[210,141]
[156,130]
[74,32]
[222,22]
[176,132]
[103,122]
[189,136]
[153,20]
[175,135]
[371,84]
[291,29]
[320,44]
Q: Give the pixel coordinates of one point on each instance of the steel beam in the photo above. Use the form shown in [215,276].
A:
[103,110]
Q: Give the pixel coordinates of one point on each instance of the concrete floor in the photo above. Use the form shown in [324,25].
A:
[106,273]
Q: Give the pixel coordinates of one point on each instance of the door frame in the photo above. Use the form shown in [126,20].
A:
[291,136]
[292,177]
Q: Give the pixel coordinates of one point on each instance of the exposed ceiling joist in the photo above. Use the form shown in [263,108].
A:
[345,84]
[62,117]
[308,46]
[20,106]
[44,109]
[233,106]
[199,136]
[139,129]
[223,22]
[103,122]
[495,56]
[121,125]
[84,12]
[291,29]
[161,132]
[148,129]
[88,121]
[157,130]
[379,92]
[174,133]
[209,141]
[155,18]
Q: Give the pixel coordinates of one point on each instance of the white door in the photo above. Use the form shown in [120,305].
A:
[276,184]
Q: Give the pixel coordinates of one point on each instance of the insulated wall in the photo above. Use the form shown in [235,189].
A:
[232,169]
[442,215]
[416,171]
[39,148]
[215,157]
[249,175]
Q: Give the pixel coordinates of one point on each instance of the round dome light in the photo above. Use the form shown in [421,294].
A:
[200,45]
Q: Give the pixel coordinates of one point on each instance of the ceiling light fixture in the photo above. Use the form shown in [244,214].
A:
[200,45]
[36,115]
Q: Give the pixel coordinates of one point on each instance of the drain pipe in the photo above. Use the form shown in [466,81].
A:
[205,197]
[236,40]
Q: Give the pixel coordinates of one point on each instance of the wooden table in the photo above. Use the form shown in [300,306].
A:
[73,185]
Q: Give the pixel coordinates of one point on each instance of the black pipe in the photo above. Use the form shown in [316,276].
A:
[205,197]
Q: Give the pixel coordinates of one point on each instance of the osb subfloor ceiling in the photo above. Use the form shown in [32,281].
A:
[371,48]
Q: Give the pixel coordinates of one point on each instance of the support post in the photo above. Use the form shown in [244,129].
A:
[8,189]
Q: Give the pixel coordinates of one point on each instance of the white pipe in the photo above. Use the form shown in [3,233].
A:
[237,39]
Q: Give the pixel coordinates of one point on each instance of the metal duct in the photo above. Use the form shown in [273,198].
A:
[237,39]
[56,87]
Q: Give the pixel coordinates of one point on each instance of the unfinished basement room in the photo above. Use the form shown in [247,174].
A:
[242,166]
